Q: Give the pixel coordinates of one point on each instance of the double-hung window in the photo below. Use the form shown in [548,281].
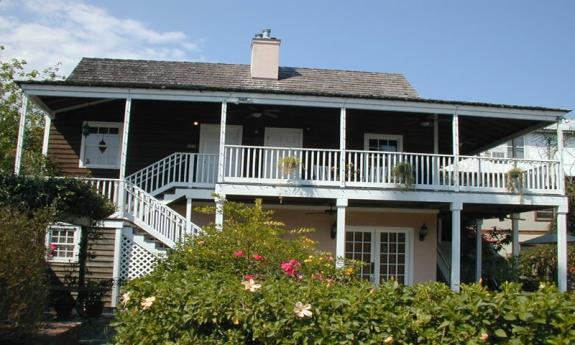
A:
[101,145]
[62,241]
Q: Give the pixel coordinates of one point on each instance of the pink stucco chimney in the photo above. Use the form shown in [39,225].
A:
[265,56]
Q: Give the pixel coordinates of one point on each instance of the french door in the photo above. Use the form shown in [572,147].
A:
[387,253]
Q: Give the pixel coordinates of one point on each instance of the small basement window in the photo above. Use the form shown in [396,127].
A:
[545,215]
[63,241]
[101,142]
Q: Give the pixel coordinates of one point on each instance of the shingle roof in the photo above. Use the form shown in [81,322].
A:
[217,76]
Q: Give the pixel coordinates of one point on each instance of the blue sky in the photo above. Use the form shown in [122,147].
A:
[515,51]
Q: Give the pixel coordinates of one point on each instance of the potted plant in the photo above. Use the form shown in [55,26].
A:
[514,179]
[93,304]
[63,304]
[403,173]
[289,164]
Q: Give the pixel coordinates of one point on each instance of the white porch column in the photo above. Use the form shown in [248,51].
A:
[455,244]
[124,155]
[189,213]
[45,141]
[116,268]
[478,249]
[562,249]
[436,134]
[560,157]
[435,167]
[189,208]
[342,143]
[221,162]
[219,211]
[340,236]
[455,140]
[21,132]
[515,246]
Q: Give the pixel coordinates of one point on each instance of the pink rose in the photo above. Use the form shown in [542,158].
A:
[257,257]
[239,253]
[53,247]
[290,267]
[249,276]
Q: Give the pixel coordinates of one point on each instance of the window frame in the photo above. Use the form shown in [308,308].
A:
[82,163]
[378,136]
[76,242]
[538,218]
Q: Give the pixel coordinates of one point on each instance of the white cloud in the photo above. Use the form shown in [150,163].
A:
[63,31]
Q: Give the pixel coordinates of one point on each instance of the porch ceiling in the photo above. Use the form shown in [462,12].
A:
[476,133]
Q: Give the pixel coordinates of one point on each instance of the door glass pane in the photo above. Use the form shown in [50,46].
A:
[392,256]
[358,247]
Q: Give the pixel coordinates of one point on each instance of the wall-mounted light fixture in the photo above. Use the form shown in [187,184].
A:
[196,123]
[86,130]
[333,232]
[423,231]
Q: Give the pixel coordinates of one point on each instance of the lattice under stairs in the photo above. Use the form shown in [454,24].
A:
[138,255]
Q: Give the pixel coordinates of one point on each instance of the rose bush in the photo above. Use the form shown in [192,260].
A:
[248,284]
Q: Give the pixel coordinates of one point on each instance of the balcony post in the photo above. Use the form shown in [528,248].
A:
[221,162]
[515,246]
[340,234]
[124,155]
[562,249]
[455,245]
[560,157]
[45,140]
[478,249]
[21,132]
[435,160]
[342,144]
[455,139]
[219,221]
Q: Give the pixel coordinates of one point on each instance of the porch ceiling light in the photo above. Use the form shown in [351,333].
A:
[423,231]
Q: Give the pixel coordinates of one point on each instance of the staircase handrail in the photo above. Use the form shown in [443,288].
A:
[147,212]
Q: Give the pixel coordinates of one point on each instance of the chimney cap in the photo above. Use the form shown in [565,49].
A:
[266,34]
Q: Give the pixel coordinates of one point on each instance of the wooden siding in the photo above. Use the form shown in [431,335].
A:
[99,265]
[66,137]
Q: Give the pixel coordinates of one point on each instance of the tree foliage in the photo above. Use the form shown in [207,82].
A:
[10,103]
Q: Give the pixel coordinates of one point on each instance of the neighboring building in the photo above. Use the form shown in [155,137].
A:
[537,145]
[159,137]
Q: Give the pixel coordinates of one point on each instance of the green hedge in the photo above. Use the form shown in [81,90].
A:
[201,295]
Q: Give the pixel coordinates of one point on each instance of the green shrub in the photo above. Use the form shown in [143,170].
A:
[539,263]
[200,295]
[23,279]
[69,197]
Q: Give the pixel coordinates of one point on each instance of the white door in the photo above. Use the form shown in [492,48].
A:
[274,160]
[206,165]
[386,251]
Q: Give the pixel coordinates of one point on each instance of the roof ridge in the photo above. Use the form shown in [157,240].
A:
[240,64]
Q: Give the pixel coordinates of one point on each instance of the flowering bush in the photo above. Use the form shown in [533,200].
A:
[249,285]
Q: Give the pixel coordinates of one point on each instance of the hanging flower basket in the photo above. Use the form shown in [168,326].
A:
[289,164]
[403,174]
[514,179]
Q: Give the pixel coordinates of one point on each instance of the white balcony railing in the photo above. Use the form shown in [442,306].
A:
[180,169]
[374,169]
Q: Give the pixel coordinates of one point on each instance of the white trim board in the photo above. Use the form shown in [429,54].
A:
[295,100]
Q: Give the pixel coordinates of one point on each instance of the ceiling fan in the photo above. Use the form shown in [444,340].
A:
[255,113]
[330,211]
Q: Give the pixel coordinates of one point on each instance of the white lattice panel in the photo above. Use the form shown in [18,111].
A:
[136,260]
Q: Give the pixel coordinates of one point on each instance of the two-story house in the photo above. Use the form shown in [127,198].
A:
[376,169]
